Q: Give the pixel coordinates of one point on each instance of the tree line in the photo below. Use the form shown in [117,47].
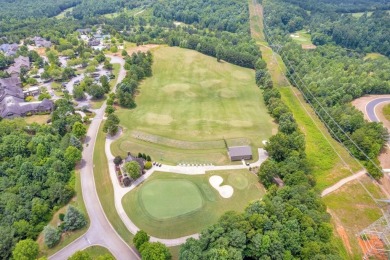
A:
[138,66]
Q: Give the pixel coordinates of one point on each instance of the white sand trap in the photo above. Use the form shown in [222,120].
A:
[226,191]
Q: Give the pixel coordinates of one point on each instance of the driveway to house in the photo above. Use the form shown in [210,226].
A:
[120,191]
[100,231]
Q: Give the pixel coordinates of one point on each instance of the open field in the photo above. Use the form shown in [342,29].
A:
[95,251]
[133,12]
[62,14]
[169,205]
[69,237]
[190,106]
[373,56]
[301,37]
[352,210]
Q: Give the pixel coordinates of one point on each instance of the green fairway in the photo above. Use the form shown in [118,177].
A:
[165,199]
[170,205]
[190,106]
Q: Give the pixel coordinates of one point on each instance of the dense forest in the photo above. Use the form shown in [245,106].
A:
[36,173]
[345,6]
[330,77]
[21,9]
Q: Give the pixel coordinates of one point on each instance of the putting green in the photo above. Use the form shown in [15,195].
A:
[164,199]
[171,205]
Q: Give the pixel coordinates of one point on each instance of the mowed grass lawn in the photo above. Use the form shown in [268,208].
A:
[96,251]
[193,98]
[169,205]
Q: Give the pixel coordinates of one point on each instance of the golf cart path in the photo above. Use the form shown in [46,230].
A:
[342,182]
[100,231]
[120,191]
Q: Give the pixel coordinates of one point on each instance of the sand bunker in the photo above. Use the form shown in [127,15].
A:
[226,191]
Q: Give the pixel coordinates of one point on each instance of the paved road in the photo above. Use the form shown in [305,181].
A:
[100,231]
[370,108]
[120,191]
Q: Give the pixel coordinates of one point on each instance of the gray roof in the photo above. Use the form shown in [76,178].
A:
[41,42]
[9,49]
[240,151]
[12,100]
[20,62]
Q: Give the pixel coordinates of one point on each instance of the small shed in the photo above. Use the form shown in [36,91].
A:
[237,153]
[278,181]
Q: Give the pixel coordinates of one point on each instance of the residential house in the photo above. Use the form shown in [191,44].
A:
[93,42]
[20,62]
[12,102]
[9,49]
[41,42]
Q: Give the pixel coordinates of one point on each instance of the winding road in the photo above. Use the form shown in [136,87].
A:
[370,108]
[100,231]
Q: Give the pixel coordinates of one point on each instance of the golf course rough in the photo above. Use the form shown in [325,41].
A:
[164,199]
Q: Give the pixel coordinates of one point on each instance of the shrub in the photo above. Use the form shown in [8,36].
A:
[29,98]
[74,219]
[148,158]
[140,238]
[133,169]
[148,165]
[118,160]
[51,236]
[126,181]
[61,216]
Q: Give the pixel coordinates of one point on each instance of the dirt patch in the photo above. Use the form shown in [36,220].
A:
[141,48]
[308,46]
[341,231]
[372,246]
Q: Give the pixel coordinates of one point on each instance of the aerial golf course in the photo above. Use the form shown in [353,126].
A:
[187,113]
[190,107]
